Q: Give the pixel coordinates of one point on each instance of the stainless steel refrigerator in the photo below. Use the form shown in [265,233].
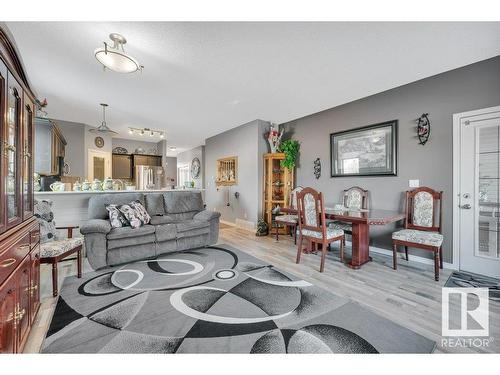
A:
[149,178]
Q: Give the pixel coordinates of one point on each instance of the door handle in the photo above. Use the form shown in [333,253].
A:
[466,206]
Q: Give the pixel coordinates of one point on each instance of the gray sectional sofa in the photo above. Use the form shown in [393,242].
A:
[178,222]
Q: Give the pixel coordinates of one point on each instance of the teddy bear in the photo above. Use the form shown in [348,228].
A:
[45,216]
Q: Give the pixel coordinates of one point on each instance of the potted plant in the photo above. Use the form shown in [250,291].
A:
[290,148]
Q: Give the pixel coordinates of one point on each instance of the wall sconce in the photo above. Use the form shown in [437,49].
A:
[423,128]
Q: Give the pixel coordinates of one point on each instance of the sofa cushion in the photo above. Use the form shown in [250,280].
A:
[124,232]
[128,254]
[191,225]
[192,228]
[166,232]
[116,218]
[95,226]
[98,202]
[131,241]
[183,216]
[161,219]
[154,204]
[182,201]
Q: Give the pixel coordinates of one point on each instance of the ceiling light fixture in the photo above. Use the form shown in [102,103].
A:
[144,131]
[103,128]
[173,148]
[115,58]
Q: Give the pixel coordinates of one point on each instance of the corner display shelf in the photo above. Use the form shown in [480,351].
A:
[278,183]
[227,171]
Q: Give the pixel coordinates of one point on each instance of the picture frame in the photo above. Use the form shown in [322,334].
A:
[366,151]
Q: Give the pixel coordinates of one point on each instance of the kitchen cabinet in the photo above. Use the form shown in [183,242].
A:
[122,166]
[151,160]
[47,158]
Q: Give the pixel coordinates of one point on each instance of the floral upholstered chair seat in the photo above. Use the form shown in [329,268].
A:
[330,233]
[419,237]
[58,247]
[290,219]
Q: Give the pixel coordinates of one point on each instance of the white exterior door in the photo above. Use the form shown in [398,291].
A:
[478,197]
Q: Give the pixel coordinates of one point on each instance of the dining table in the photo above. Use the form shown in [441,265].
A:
[360,221]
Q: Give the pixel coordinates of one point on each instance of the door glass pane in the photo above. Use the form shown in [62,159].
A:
[99,168]
[488,156]
[12,139]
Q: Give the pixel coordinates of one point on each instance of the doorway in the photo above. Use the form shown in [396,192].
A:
[477,191]
[99,165]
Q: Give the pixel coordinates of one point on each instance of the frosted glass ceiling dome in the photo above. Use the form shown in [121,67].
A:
[115,58]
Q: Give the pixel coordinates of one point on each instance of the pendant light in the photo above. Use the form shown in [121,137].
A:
[103,128]
[115,58]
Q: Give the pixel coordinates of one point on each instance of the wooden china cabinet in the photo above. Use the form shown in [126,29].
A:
[19,229]
[278,184]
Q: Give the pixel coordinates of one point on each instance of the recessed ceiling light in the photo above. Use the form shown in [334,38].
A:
[115,58]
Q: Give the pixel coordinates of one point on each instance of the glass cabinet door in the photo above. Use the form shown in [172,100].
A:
[27,158]
[3,150]
[12,152]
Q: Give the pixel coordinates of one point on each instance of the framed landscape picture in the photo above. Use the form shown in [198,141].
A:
[367,151]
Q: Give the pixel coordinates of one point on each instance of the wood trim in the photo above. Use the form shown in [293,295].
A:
[9,55]
[56,259]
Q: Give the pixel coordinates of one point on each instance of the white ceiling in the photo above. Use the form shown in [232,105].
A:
[203,78]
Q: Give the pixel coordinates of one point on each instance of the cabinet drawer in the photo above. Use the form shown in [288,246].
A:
[12,257]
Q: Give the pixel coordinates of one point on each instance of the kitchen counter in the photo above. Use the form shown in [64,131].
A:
[65,192]
[71,207]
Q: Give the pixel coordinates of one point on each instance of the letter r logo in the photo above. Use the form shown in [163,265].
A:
[476,316]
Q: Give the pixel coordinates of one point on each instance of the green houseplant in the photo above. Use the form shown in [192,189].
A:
[290,148]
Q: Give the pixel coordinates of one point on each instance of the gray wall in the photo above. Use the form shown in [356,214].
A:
[171,169]
[131,144]
[468,88]
[246,142]
[186,157]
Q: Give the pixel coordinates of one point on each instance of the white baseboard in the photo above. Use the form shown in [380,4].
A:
[245,224]
[413,258]
[227,223]
[241,224]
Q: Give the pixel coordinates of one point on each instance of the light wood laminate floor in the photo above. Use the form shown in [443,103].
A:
[409,296]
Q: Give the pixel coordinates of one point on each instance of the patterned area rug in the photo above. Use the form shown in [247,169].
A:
[461,279]
[215,300]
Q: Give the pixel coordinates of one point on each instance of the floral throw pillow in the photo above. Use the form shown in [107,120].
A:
[131,215]
[116,218]
[141,212]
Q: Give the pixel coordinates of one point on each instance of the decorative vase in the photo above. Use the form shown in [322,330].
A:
[274,137]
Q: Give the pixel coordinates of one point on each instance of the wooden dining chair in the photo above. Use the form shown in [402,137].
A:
[313,227]
[53,248]
[423,219]
[355,198]
[289,220]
